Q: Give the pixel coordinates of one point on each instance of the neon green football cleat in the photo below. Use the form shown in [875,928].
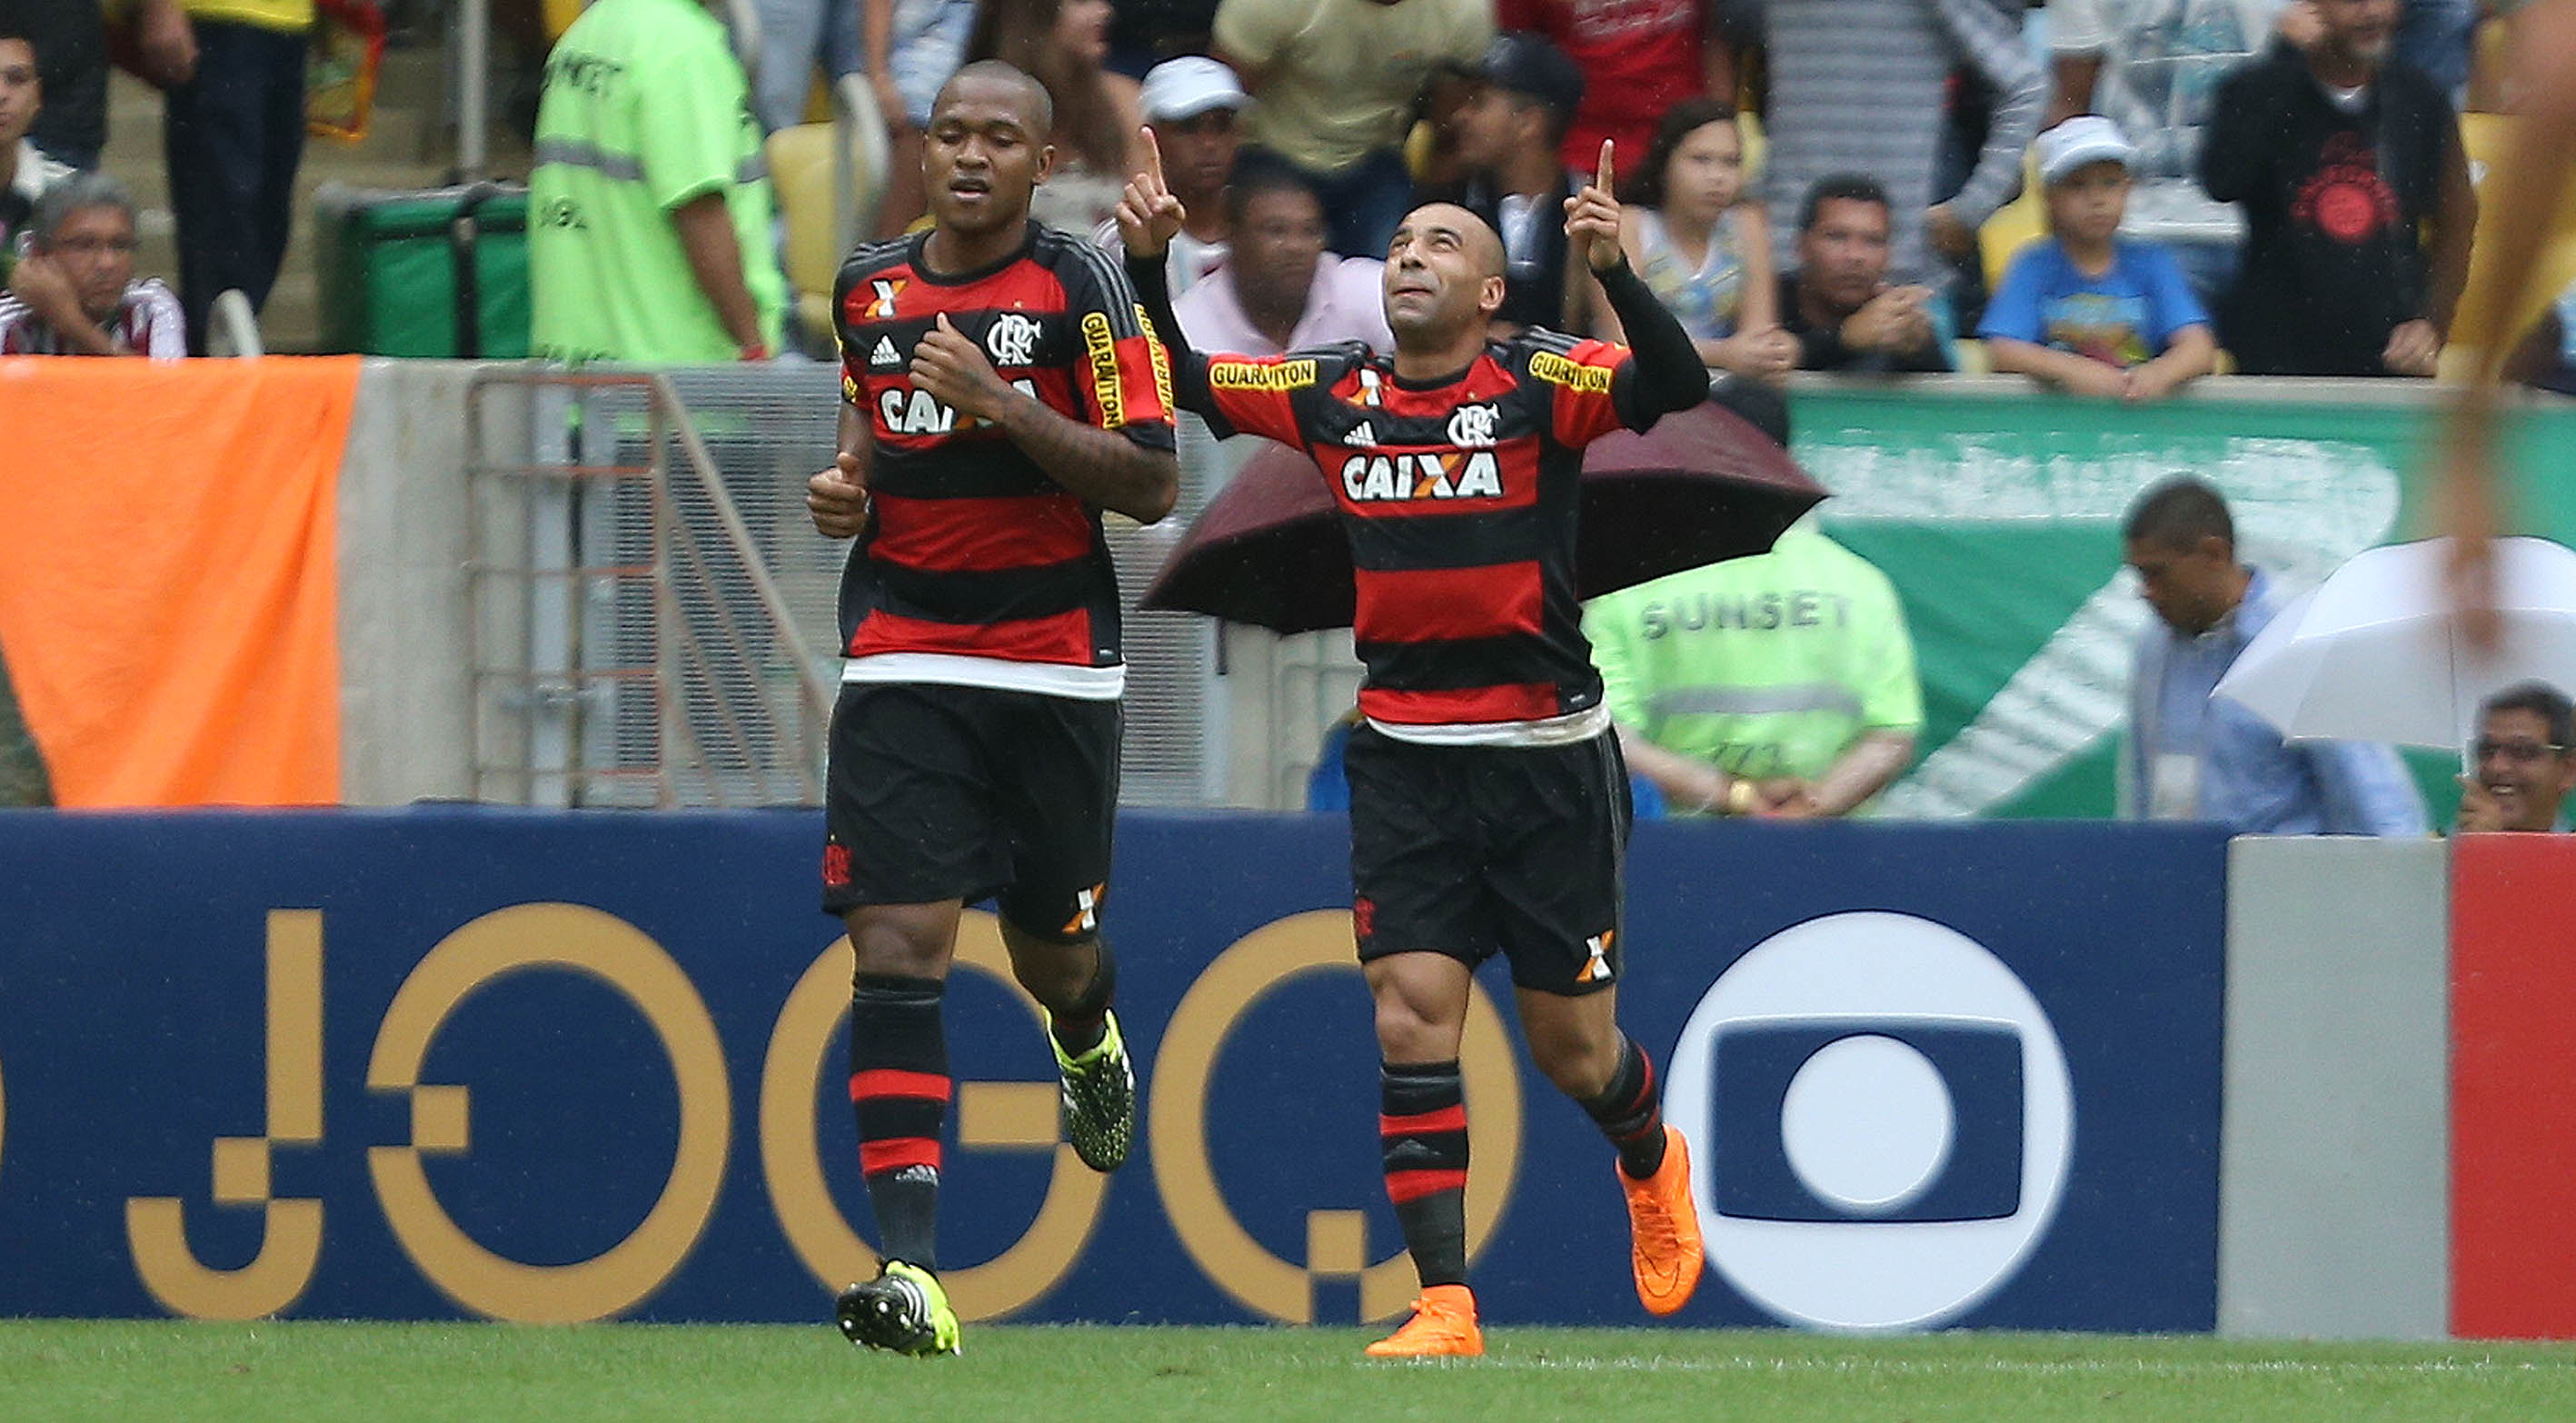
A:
[1098,1098]
[902,1311]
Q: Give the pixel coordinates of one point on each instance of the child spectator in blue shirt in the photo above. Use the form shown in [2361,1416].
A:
[2083,308]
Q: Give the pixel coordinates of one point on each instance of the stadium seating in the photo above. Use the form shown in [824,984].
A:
[2014,224]
[829,178]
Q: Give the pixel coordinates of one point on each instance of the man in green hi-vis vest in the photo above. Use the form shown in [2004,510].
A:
[649,208]
[1781,685]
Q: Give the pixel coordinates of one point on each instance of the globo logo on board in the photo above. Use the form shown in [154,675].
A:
[1887,1122]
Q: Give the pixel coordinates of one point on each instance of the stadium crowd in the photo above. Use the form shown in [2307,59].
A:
[2263,186]
[232,77]
[2254,185]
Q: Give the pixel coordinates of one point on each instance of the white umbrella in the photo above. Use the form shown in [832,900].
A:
[2372,654]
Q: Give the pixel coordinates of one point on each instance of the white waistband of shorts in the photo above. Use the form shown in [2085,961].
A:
[1551,731]
[1047,679]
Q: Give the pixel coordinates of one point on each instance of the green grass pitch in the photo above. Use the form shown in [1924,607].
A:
[380,1373]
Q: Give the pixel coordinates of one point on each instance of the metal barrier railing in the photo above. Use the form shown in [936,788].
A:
[657,620]
[632,644]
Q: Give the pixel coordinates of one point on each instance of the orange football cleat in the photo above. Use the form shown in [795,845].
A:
[1664,1228]
[1443,1326]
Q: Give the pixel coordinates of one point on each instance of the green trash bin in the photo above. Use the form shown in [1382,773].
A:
[391,265]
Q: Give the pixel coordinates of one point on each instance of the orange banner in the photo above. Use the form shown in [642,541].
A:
[169,575]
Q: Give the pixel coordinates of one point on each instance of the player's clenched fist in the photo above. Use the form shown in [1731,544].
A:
[838,499]
[956,373]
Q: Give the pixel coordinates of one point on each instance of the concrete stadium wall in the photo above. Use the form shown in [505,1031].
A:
[2334,1207]
[406,588]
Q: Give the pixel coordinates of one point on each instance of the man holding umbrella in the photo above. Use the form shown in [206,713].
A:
[1489,808]
[2192,756]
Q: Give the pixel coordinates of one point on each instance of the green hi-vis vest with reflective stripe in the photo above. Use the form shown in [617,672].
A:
[645,110]
[1766,666]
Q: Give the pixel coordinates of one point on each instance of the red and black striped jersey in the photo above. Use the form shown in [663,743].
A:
[1459,499]
[978,567]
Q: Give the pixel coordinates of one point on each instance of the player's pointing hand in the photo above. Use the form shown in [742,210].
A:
[1149,215]
[1592,218]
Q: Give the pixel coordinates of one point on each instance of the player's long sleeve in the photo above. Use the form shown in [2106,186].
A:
[1190,388]
[1669,376]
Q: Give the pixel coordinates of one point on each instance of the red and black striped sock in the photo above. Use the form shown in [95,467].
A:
[900,1087]
[1422,1130]
[1631,1112]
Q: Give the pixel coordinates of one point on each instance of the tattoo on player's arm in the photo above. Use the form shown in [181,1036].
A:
[1103,466]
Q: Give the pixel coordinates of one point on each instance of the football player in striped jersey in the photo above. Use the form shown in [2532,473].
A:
[1489,807]
[999,391]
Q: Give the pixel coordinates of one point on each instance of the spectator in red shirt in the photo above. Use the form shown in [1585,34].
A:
[1638,57]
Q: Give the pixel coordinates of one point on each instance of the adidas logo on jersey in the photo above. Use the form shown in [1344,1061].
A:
[885,357]
[1371,479]
[1361,437]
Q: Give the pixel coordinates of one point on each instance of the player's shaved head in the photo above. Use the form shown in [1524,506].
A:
[1036,107]
[1483,245]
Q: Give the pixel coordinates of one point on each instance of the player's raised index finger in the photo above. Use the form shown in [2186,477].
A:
[1153,155]
[1602,179]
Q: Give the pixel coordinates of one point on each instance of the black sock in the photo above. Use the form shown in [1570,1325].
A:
[1422,1130]
[900,1087]
[1631,1112]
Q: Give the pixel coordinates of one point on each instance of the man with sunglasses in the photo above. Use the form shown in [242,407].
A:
[2523,762]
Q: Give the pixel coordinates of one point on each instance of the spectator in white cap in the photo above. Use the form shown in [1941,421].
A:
[1192,103]
[2085,309]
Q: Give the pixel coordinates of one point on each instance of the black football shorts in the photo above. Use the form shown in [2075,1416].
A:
[1473,850]
[937,792]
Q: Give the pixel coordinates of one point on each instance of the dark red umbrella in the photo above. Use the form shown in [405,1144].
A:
[1703,486]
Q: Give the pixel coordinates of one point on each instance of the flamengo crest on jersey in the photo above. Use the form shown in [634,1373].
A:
[974,551]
